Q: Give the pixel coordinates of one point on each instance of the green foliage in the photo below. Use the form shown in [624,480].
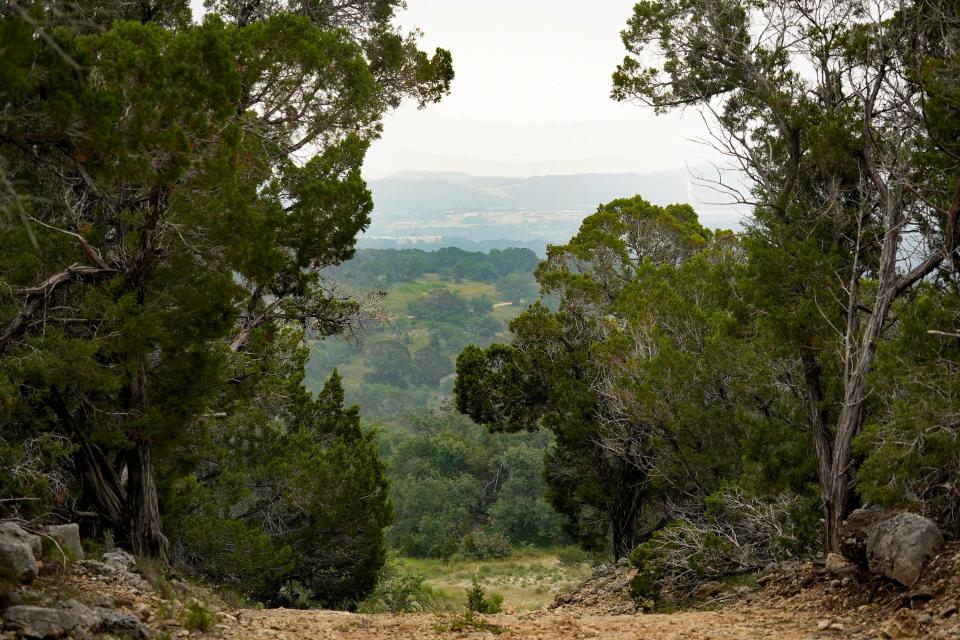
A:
[479,602]
[457,489]
[301,503]
[914,429]
[516,287]
[293,595]
[855,209]
[572,555]
[401,591]
[642,367]
[484,545]
[197,616]
[467,622]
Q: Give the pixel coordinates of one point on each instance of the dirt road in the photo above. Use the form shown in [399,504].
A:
[731,624]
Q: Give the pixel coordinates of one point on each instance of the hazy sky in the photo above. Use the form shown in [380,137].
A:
[531,95]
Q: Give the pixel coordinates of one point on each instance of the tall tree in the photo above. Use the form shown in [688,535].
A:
[629,373]
[826,108]
[168,215]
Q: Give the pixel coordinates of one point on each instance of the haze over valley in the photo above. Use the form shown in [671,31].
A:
[429,209]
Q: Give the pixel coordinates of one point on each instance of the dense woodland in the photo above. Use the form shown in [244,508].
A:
[179,203]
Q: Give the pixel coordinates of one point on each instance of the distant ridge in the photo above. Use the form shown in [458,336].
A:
[431,192]
[432,209]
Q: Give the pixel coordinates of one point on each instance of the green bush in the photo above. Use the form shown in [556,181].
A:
[294,595]
[197,617]
[485,545]
[479,602]
[400,591]
[318,476]
[570,555]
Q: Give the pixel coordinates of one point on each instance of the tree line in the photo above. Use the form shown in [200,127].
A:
[370,266]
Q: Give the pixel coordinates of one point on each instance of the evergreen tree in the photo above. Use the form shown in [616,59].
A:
[838,116]
[161,229]
[637,374]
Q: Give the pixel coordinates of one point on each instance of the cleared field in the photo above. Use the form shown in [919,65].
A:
[527,580]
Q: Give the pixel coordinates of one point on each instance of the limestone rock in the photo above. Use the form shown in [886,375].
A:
[74,620]
[856,528]
[40,622]
[13,532]
[68,537]
[19,552]
[17,560]
[837,565]
[899,547]
[120,561]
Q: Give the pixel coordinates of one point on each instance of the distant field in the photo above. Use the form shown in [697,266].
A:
[528,580]
[397,305]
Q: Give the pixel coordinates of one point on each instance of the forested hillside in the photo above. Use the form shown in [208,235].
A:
[456,489]
[426,307]
[206,387]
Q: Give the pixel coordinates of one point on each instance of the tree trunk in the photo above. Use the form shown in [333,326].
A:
[143,510]
[101,486]
[625,508]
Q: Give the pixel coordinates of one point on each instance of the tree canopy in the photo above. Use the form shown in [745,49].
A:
[171,190]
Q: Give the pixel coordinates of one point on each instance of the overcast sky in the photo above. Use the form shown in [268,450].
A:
[531,95]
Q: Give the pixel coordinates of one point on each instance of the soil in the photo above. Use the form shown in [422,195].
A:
[732,624]
[794,601]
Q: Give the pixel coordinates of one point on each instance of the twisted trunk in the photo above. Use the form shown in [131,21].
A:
[143,510]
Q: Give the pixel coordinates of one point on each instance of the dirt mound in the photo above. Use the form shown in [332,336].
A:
[607,592]
[858,604]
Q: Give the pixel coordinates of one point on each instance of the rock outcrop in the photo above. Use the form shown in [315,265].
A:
[117,566]
[71,619]
[901,546]
[68,537]
[607,592]
[19,552]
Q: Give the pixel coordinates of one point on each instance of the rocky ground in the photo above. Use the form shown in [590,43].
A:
[115,598]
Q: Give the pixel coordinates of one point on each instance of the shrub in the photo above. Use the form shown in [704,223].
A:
[197,617]
[733,534]
[479,602]
[293,595]
[400,591]
[572,555]
[484,545]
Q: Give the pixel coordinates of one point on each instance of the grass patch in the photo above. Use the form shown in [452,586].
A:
[197,617]
[527,580]
[465,623]
[157,573]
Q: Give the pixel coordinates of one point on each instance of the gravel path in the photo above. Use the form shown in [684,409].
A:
[731,624]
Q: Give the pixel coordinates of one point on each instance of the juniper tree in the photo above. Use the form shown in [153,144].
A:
[636,373]
[172,190]
[838,116]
